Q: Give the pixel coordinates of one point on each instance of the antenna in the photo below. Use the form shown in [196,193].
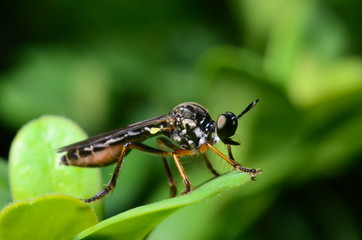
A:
[248,108]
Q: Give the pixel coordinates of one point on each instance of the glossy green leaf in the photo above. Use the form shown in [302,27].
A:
[47,217]
[35,167]
[138,222]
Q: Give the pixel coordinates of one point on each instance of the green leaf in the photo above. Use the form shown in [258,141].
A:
[5,196]
[138,222]
[35,167]
[48,217]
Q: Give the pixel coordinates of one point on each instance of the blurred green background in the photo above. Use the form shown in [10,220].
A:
[106,64]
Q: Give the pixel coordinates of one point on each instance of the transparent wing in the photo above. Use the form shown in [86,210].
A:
[115,133]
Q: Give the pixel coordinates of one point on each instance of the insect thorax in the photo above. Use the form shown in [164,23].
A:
[191,125]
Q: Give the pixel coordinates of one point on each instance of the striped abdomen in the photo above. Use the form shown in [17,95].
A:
[92,157]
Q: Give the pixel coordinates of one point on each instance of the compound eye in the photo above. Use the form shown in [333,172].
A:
[226,126]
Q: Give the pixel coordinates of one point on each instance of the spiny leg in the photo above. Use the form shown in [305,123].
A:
[171,180]
[186,181]
[236,165]
[179,152]
[112,183]
[125,148]
[169,144]
[209,166]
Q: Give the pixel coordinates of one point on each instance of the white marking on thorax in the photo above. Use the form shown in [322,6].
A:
[198,132]
[189,122]
[202,141]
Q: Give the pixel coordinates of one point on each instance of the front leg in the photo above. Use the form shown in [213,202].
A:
[252,171]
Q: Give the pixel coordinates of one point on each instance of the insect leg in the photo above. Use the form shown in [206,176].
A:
[125,148]
[229,152]
[209,166]
[235,164]
[112,183]
[169,144]
[171,180]
[183,174]
[175,154]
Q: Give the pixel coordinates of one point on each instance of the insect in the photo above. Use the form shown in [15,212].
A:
[187,130]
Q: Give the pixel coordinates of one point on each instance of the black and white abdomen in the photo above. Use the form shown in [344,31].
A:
[191,125]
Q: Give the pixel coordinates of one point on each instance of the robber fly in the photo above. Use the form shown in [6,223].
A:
[188,125]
